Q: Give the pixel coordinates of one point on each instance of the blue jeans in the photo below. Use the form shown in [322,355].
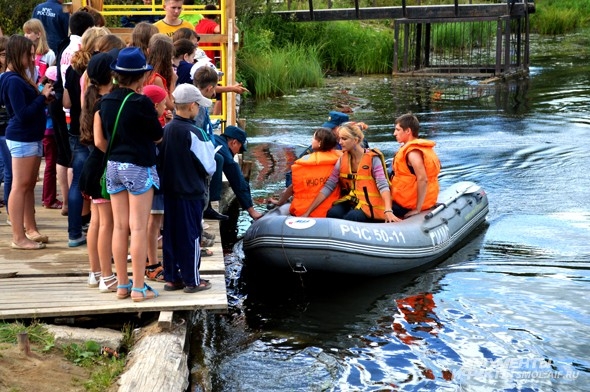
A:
[75,200]
[7,160]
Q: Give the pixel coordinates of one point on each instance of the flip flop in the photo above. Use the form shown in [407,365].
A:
[39,245]
[38,238]
[206,252]
[205,285]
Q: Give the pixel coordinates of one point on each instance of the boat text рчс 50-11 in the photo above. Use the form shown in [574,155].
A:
[278,240]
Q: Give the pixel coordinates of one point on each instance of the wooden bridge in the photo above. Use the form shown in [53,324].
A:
[52,282]
[493,38]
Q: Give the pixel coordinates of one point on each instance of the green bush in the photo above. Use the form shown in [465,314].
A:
[14,14]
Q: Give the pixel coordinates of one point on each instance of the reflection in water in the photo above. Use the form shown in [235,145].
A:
[505,312]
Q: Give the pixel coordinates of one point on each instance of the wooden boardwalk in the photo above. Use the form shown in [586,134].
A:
[52,282]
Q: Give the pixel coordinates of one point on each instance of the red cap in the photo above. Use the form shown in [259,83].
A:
[156,93]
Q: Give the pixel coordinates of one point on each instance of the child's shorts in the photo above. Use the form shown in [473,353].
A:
[122,176]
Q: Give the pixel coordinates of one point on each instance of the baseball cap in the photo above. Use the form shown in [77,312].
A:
[335,119]
[236,133]
[156,93]
[188,93]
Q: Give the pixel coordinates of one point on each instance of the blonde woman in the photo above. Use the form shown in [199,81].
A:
[361,175]
[44,57]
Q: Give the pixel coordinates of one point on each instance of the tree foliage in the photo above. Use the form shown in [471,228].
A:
[14,14]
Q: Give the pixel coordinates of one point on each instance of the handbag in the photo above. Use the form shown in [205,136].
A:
[103,179]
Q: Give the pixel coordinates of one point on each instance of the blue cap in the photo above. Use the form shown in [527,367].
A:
[335,119]
[236,133]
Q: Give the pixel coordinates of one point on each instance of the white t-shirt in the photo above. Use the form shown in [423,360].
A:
[66,57]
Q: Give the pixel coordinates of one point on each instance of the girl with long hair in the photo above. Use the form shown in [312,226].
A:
[78,207]
[5,158]
[24,134]
[100,231]
[44,57]
[131,167]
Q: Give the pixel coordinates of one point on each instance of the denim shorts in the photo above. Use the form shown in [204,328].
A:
[25,149]
[122,176]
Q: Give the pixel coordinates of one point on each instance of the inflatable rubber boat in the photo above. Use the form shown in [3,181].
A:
[297,244]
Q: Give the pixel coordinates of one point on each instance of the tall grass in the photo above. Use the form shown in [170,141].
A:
[279,71]
[355,47]
[555,17]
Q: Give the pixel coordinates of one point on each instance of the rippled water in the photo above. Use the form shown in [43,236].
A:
[509,311]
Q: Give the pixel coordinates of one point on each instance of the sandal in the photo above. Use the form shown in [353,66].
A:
[35,246]
[206,252]
[204,285]
[127,287]
[144,291]
[38,237]
[155,274]
[108,284]
[56,205]
[93,278]
[173,286]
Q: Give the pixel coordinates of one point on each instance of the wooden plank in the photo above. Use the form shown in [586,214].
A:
[68,296]
[165,320]
[52,282]
[412,12]
[158,362]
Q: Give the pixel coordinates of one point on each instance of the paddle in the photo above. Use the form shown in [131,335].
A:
[469,188]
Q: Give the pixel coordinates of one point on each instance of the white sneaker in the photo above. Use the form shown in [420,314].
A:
[93,279]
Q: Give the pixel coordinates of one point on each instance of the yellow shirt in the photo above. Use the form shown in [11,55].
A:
[169,30]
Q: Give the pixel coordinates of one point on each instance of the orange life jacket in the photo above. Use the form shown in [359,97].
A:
[360,188]
[404,187]
[310,173]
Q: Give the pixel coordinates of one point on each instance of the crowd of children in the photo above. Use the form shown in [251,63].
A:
[132,115]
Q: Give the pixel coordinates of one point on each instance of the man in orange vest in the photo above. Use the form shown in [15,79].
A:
[414,183]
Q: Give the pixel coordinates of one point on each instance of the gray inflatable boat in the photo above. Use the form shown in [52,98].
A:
[297,244]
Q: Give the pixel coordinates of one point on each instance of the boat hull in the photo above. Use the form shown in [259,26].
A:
[298,244]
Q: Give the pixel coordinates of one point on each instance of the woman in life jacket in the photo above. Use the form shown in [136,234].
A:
[360,173]
[310,173]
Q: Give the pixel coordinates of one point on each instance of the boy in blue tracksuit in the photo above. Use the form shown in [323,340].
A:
[188,161]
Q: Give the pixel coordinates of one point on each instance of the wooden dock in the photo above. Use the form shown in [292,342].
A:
[52,282]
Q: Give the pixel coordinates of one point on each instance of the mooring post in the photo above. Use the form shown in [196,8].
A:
[498,70]
[23,343]
[395,45]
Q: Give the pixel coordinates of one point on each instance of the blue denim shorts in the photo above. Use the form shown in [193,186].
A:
[128,177]
[25,149]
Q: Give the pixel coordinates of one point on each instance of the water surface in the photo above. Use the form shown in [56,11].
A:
[509,311]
